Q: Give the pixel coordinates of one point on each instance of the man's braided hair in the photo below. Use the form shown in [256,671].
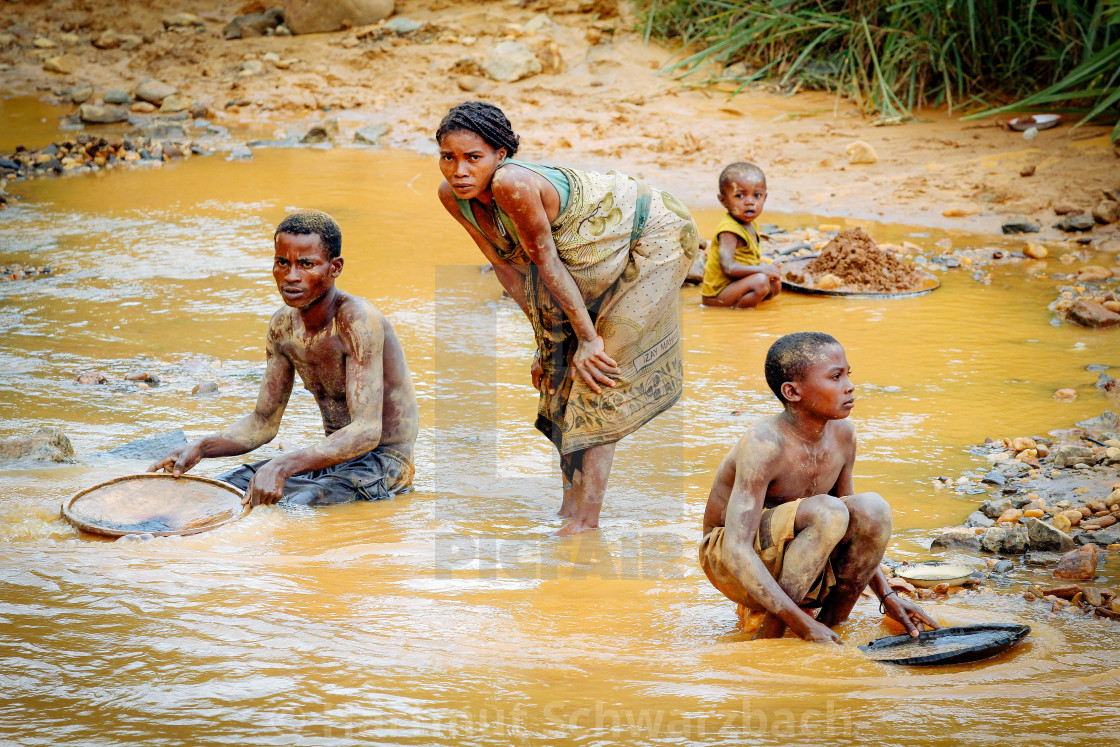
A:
[485,120]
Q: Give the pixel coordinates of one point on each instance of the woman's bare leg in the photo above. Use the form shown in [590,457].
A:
[589,488]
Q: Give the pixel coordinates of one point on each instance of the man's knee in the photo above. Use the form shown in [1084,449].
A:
[827,514]
[870,512]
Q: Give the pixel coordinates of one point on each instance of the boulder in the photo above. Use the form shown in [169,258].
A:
[1101,537]
[371,134]
[957,539]
[1075,223]
[992,540]
[1016,542]
[154,91]
[861,152]
[1068,455]
[63,64]
[1019,224]
[1089,313]
[1041,558]
[94,114]
[318,16]
[48,444]
[1078,564]
[993,509]
[117,96]
[977,519]
[1044,537]
[1107,212]
[511,61]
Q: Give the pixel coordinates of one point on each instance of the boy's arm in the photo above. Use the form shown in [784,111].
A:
[911,616]
[728,244]
[743,515]
[365,342]
[250,432]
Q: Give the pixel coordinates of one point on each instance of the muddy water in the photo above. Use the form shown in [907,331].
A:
[447,616]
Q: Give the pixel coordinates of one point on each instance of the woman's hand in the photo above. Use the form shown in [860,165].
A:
[537,372]
[592,364]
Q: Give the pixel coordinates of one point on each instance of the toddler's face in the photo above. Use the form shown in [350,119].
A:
[744,198]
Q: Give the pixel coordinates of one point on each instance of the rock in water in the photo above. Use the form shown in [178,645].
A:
[1043,537]
[371,135]
[154,91]
[1078,564]
[992,540]
[1034,251]
[993,509]
[957,539]
[1019,224]
[318,16]
[94,114]
[1041,558]
[510,61]
[1015,543]
[1089,313]
[48,444]
[151,447]
[861,152]
[1068,455]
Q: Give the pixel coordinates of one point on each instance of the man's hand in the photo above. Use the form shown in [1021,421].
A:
[267,486]
[592,364]
[820,633]
[180,460]
[911,616]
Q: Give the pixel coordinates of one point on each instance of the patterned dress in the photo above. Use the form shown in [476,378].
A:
[628,247]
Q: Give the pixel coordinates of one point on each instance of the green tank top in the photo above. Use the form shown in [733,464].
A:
[555,176]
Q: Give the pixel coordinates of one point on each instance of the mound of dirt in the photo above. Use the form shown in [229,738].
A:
[853,261]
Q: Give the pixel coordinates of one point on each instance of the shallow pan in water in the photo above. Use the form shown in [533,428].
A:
[929,283]
[955,645]
[934,572]
[155,503]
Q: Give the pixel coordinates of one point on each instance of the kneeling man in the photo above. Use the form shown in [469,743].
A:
[348,356]
[783,531]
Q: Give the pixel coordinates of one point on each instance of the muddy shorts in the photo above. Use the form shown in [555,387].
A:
[373,476]
[775,531]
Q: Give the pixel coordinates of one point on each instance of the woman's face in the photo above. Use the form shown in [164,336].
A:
[468,163]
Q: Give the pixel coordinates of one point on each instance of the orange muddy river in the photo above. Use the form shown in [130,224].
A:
[448,616]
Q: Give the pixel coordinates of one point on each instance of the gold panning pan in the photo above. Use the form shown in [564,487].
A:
[155,503]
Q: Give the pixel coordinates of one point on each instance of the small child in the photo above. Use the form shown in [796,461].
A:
[783,531]
[734,274]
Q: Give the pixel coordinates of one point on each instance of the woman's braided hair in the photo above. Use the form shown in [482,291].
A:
[485,120]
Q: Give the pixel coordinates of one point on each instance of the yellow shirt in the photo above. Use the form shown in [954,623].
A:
[748,254]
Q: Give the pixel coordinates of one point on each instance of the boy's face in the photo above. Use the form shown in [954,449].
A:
[743,198]
[468,163]
[302,270]
[824,389]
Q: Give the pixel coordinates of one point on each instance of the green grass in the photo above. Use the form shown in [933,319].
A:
[894,57]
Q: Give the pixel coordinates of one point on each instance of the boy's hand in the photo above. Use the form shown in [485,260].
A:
[179,460]
[821,633]
[267,486]
[592,364]
[911,616]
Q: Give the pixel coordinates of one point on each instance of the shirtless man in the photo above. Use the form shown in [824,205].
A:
[348,356]
[783,529]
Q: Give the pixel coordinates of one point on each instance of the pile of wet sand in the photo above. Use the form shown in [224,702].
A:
[853,261]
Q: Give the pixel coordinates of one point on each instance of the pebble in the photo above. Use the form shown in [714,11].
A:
[1078,564]
[1107,211]
[91,377]
[1011,515]
[1035,251]
[1065,394]
[206,387]
[65,64]
[1019,224]
[116,96]
[1075,223]
[861,152]
[154,91]
[174,103]
[240,152]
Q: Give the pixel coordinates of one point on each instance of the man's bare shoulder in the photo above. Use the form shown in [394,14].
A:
[281,325]
[844,431]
